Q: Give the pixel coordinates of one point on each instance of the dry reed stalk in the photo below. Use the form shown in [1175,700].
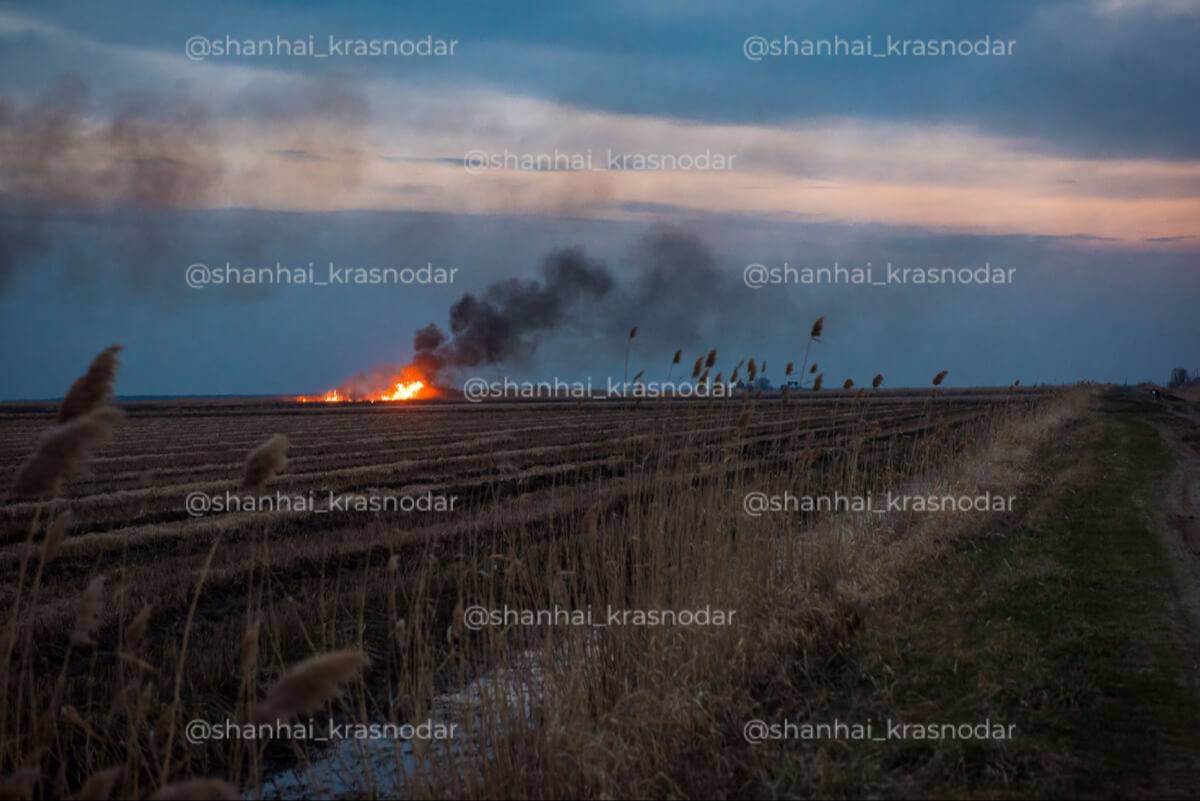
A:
[307,686]
[55,536]
[877,381]
[940,377]
[135,632]
[697,367]
[264,462]
[249,660]
[61,450]
[87,620]
[818,381]
[93,389]
[711,359]
[848,384]
[814,335]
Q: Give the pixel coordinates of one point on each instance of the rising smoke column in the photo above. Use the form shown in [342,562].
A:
[508,318]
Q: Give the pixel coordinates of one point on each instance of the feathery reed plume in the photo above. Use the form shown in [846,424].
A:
[99,786]
[812,369]
[1017,383]
[678,356]
[877,381]
[197,790]
[719,379]
[61,450]
[752,370]
[698,366]
[814,335]
[711,359]
[55,535]
[848,383]
[764,367]
[87,620]
[305,687]
[628,346]
[20,784]
[818,381]
[940,377]
[135,632]
[789,369]
[264,462]
[704,377]
[92,389]
[733,376]
[639,375]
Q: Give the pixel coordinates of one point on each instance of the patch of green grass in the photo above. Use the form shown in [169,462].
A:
[1065,625]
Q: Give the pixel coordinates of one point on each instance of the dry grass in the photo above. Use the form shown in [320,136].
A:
[183,620]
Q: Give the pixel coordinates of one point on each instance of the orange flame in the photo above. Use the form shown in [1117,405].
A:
[404,391]
[408,385]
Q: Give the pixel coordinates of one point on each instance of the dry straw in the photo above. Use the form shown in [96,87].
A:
[264,462]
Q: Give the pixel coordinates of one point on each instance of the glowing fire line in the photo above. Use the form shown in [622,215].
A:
[400,391]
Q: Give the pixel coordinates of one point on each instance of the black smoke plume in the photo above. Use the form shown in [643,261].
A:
[506,321]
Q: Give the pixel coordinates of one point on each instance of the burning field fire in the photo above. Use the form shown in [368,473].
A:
[408,385]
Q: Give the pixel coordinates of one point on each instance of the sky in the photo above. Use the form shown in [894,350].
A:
[676,143]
